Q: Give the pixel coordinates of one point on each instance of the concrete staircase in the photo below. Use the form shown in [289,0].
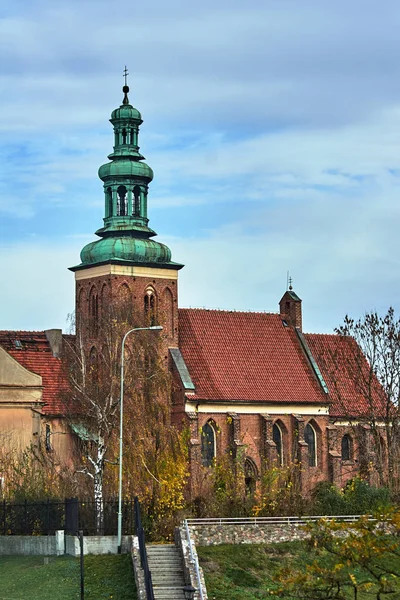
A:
[165,564]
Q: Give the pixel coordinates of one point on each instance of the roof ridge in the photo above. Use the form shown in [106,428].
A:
[19,331]
[231,310]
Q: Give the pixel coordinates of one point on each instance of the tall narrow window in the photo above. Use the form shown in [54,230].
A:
[48,438]
[136,195]
[250,476]
[121,203]
[93,312]
[109,202]
[168,309]
[131,138]
[277,439]
[208,445]
[124,136]
[347,452]
[150,307]
[311,440]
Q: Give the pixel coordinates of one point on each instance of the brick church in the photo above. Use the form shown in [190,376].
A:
[247,380]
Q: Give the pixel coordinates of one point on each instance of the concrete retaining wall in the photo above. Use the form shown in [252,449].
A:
[56,545]
[96,544]
[26,545]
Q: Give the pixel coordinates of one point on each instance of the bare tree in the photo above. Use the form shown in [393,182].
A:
[362,367]
[92,363]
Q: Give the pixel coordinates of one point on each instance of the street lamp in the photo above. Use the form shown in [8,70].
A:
[121,416]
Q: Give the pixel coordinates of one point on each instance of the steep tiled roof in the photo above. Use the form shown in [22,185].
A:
[346,373]
[32,350]
[245,356]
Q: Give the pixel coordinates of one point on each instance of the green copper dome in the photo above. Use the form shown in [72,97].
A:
[126,111]
[126,168]
[125,235]
[125,249]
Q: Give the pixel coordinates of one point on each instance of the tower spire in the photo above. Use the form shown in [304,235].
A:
[126,236]
[125,89]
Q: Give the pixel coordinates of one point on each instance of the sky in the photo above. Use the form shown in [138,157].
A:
[272,126]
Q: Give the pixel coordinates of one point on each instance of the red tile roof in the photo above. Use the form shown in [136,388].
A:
[241,356]
[36,356]
[346,373]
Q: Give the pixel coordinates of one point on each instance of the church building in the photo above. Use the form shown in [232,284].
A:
[251,385]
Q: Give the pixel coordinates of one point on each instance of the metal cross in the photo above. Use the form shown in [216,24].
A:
[125,74]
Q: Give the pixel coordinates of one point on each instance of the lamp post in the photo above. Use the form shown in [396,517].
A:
[121,417]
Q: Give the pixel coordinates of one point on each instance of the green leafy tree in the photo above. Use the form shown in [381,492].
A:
[355,561]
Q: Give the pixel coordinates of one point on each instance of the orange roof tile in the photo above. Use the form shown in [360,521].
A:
[36,356]
[346,373]
[242,356]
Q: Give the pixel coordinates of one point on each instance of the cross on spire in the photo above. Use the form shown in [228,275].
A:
[125,75]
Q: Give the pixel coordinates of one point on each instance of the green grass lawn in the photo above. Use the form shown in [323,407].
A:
[249,572]
[28,578]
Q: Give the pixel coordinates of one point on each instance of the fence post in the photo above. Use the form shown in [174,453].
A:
[71,515]
[25,518]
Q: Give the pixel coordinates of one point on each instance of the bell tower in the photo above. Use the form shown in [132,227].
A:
[126,264]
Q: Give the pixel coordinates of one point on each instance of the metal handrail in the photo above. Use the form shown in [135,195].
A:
[194,560]
[269,520]
[143,553]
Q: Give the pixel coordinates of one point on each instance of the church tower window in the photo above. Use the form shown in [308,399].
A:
[121,204]
[150,307]
[93,312]
[109,203]
[136,195]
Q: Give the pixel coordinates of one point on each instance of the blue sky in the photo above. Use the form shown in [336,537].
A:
[272,126]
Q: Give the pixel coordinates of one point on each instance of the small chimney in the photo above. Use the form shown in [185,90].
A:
[290,309]
[54,337]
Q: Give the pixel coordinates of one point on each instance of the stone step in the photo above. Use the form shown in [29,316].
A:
[166,566]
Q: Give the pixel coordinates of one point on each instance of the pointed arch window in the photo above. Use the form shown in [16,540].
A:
[250,476]
[208,445]
[278,441]
[93,312]
[347,450]
[150,307]
[168,309]
[310,438]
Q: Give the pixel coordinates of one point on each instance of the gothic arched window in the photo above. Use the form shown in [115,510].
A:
[208,445]
[250,476]
[93,312]
[347,447]
[278,440]
[168,309]
[150,306]
[310,437]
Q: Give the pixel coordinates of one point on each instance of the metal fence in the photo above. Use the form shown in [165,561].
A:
[48,516]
